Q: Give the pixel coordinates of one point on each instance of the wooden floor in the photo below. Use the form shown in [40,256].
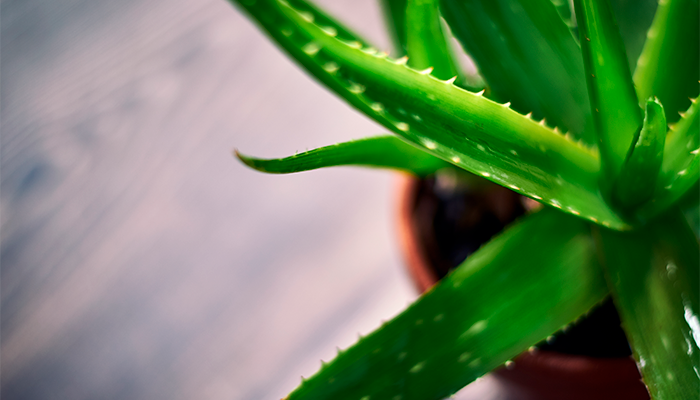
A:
[139,259]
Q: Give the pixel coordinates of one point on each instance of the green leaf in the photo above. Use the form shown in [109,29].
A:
[653,275]
[528,56]
[431,28]
[395,15]
[692,215]
[379,151]
[533,279]
[426,42]
[669,66]
[634,19]
[680,169]
[613,100]
[637,180]
[310,11]
[565,12]
[458,126]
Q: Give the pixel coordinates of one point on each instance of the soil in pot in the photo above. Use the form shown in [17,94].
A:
[445,219]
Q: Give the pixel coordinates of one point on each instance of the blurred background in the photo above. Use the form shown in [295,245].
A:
[140,260]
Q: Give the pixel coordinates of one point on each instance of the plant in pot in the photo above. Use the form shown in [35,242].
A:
[557,116]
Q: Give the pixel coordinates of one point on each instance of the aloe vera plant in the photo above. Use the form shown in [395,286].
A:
[565,112]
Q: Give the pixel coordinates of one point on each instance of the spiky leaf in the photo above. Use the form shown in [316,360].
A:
[395,15]
[634,19]
[565,12]
[692,215]
[528,56]
[426,43]
[536,277]
[470,131]
[680,169]
[637,179]
[613,100]
[653,274]
[380,151]
[322,19]
[669,66]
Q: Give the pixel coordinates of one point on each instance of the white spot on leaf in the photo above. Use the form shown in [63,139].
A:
[311,48]
[475,363]
[475,329]
[356,88]
[416,368]
[308,17]
[331,67]
[464,357]
[329,30]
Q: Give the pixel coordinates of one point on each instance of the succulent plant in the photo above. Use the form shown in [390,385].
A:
[561,114]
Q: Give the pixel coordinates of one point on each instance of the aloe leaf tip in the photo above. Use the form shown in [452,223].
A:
[247,160]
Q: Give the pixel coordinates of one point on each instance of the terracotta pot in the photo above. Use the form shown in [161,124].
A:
[539,375]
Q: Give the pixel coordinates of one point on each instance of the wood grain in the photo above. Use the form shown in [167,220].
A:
[139,259]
